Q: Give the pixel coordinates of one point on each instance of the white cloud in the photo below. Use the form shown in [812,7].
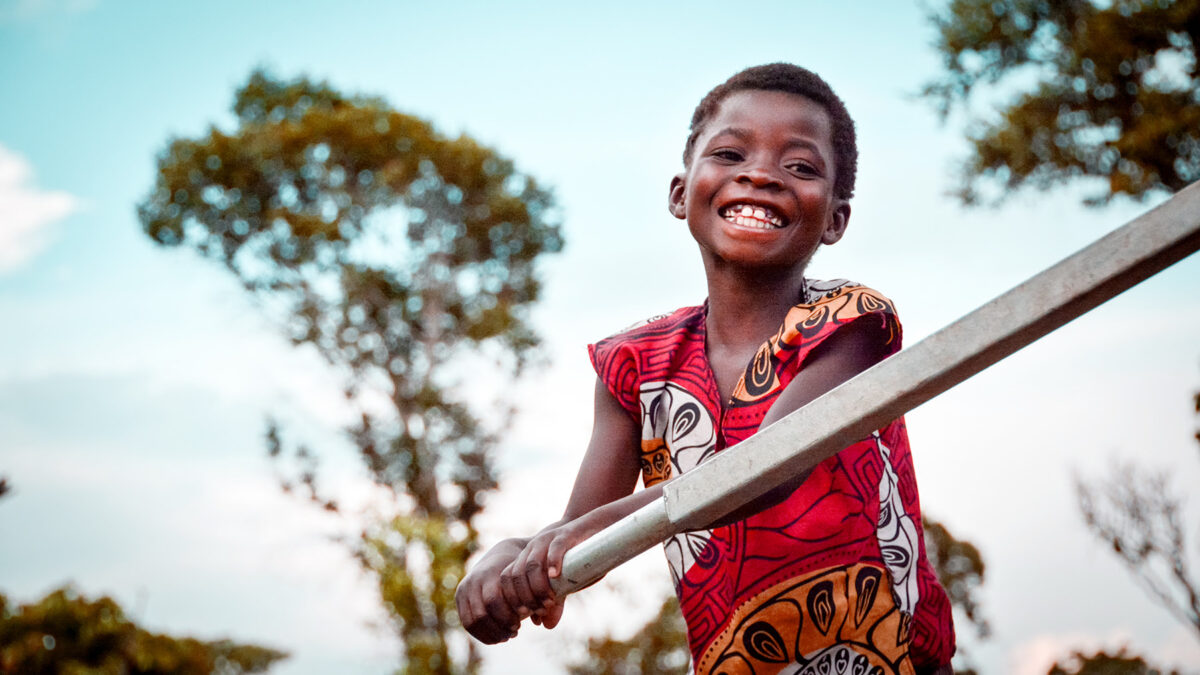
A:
[26,213]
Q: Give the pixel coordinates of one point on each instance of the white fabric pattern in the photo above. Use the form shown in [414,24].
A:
[897,533]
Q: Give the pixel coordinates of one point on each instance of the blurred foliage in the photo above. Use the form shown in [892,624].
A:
[1138,514]
[1108,90]
[405,258]
[1100,89]
[960,569]
[418,562]
[1102,663]
[661,645]
[67,634]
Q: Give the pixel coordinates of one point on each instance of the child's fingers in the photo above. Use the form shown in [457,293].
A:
[516,586]
[498,619]
[553,615]
[497,606]
[537,577]
[488,631]
[513,586]
[473,614]
[554,556]
[539,585]
[510,596]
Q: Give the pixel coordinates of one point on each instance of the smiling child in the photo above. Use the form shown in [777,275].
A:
[827,573]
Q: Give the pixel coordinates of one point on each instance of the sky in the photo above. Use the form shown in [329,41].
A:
[135,380]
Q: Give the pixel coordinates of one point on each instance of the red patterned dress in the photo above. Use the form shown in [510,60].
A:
[832,580]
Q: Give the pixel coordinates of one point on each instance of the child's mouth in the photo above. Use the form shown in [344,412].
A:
[750,215]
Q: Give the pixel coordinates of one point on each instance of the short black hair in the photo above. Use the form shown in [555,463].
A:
[791,79]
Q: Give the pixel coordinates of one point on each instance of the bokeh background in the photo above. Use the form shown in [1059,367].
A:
[134,380]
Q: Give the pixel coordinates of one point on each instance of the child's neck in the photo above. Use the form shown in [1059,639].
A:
[748,308]
[743,312]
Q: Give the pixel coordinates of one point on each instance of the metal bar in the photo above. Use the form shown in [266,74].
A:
[853,410]
[614,545]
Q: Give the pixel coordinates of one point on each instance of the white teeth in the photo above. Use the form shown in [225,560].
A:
[747,215]
[752,222]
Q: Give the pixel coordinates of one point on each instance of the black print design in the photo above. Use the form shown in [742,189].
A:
[897,535]
[674,415]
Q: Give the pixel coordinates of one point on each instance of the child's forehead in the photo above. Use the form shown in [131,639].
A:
[757,110]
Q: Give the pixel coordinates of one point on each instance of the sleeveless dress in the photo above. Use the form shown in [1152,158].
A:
[834,579]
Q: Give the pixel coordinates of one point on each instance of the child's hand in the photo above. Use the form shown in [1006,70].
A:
[482,607]
[526,581]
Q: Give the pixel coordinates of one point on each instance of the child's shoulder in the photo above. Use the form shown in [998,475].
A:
[831,306]
[684,318]
[825,305]
[622,359]
[817,292]
[842,300]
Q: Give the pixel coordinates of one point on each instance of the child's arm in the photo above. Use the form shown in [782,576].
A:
[526,580]
[596,503]
[842,355]
[490,602]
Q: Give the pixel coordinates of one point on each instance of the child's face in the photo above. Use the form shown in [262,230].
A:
[759,190]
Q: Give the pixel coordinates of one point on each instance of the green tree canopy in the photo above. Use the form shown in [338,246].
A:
[1099,89]
[1106,90]
[404,257]
[65,633]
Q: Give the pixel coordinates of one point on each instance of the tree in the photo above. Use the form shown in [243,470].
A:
[1097,89]
[960,569]
[67,633]
[1103,663]
[1138,515]
[1107,90]
[661,645]
[405,258]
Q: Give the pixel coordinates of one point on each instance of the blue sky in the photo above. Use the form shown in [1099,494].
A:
[134,380]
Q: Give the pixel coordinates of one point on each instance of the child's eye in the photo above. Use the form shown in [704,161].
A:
[803,168]
[727,155]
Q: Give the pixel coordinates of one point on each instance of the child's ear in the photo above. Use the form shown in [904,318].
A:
[677,197]
[838,220]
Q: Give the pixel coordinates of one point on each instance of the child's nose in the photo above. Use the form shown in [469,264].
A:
[760,177]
